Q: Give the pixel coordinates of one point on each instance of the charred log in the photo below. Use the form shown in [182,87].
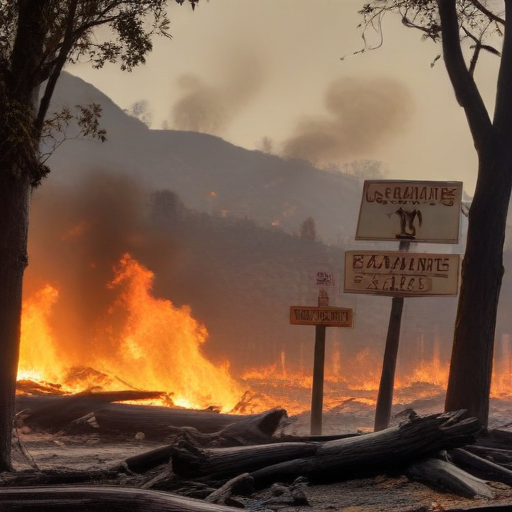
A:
[242,484]
[87,498]
[53,477]
[495,454]
[480,467]
[56,412]
[248,430]
[159,422]
[446,476]
[189,461]
[395,447]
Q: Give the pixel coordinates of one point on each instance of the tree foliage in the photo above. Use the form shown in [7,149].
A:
[478,25]
[38,38]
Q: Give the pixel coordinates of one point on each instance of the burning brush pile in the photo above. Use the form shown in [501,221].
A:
[145,343]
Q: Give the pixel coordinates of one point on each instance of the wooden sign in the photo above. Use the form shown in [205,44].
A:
[416,211]
[327,316]
[401,274]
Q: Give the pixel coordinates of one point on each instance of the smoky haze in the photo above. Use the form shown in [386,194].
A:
[77,236]
[210,107]
[362,114]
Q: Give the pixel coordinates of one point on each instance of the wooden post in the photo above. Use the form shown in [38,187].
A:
[387,379]
[317,395]
[321,317]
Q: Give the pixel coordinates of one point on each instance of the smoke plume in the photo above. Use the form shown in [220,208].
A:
[210,107]
[362,114]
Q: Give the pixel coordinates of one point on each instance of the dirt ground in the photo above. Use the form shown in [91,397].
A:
[382,493]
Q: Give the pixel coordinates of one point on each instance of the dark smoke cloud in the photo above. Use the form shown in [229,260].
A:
[209,107]
[363,114]
[78,235]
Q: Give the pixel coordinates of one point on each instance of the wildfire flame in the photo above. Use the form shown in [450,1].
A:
[157,348]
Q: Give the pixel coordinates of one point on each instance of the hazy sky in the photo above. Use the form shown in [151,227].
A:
[248,69]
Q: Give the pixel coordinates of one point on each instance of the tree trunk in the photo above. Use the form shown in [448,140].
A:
[14,205]
[482,271]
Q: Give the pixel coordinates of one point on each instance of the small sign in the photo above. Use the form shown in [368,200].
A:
[401,274]
[328,316]
[325,279]
[416,211]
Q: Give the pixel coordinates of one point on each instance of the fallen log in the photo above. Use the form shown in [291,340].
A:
[446,476]
[248,430]
[159,422]
[55,412]
[385,450]
[54,477]
[495,438]
[496,454]
[87,498]
[480,467]
[241,484]
[189,461]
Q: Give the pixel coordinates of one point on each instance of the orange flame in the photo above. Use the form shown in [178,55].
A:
[37,350]
[158,348]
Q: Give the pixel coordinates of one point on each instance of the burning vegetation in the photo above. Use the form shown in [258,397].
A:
[156,346]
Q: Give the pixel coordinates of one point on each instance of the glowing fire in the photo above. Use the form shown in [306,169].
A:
[157,348]
[37,351]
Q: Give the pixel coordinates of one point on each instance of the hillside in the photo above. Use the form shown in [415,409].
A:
[208,173]
[225,244]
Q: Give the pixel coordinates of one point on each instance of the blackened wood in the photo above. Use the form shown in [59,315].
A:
[54,476]
[288,438]
[481,467]
[496,454]
[394,447]
[244,481]
[159,422]
[446,476]
[88,498]
[145,461]
[495,438]
[192,462]
[56,412]
[248,430]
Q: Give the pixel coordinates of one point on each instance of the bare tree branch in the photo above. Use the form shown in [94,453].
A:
[466,91]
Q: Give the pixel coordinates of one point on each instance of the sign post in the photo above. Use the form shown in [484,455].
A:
[321,317]
[387,378]
[405,211]
[317,391]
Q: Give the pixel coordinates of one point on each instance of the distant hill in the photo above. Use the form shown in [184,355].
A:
[228,247]
[208,173]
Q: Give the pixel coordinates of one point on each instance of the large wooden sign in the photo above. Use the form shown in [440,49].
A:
[328,316]
[401,274]
[416,211]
